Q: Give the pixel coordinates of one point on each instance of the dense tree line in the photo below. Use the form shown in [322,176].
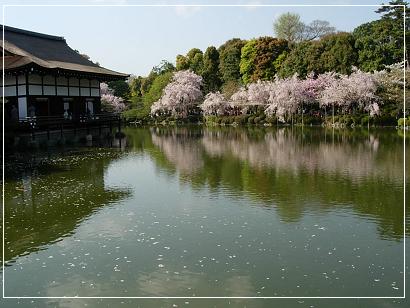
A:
[298,48]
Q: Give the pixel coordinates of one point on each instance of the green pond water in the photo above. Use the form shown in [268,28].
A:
[195,211]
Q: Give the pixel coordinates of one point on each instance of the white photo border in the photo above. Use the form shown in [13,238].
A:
[215,297]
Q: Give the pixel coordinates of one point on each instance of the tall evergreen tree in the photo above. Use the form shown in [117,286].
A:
[229,60]
[380,42]
[210,72]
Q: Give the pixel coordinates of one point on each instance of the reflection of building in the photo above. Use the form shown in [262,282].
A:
[64,199]
[45,77]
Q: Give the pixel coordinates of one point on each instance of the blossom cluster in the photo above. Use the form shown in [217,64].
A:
[281,98]
[180,96]
[109,101]
[285,97]
[215,104]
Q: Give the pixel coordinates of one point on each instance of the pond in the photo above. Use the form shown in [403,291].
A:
[194,211]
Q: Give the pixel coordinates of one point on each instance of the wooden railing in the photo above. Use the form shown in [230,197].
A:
[37,124]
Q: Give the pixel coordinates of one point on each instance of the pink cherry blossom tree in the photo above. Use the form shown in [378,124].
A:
[309,89]
[180,96]
[240,96]
[159,108]
[285,98]
[215,104]
[104,89]
[356,91]
[255,94]
[363,87]
[332,93]
[391,82]
[259,92]
[239,101]
[110,102]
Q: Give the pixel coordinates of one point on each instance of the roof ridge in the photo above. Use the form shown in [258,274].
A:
[32,33]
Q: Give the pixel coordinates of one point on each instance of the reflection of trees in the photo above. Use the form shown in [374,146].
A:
[282,149]
[296,172]
[186,156]
[42,208]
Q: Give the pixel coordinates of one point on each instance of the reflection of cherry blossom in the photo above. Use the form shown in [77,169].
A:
[180,149]
[280,150]
[283,150]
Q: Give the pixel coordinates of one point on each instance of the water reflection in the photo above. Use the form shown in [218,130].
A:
[294,171]
[210,212]
[354,154]
[47,197]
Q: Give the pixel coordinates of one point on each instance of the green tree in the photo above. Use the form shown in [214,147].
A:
[337,53]
[280,60]
[288,26]
[181,63]
[258,57]
[163,67]
[147,82]
[141,107]
[380,42]
[230,87]
[334,52]
[195,60]
[395,12]
[121,88]
[135,86]
[210,72]
[157,86]
[229,60]
[302,59]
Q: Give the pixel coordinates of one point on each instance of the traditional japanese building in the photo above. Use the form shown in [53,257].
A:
[43,76]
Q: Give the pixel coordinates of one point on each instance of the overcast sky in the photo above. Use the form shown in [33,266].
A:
[134,39]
